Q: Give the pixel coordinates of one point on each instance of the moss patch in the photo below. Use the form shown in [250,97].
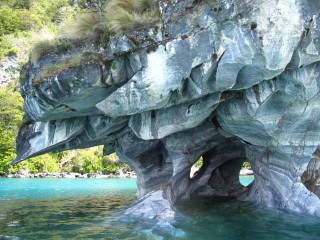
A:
[67,63]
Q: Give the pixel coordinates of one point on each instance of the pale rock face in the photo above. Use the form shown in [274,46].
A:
[229,80]
[9,70]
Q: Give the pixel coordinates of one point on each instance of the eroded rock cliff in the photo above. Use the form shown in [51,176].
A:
[229,80]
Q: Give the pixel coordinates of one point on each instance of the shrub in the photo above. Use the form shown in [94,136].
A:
[14,20]
[29,20]
[45,42]
[83,27]
[5,45]
[92,161]
[41,48]
[51,11]
[43,163]
[130,14]
[199,163]
[246,165]
[87,162]
[13,51]
[111,164]
[119,15]
[9,21]
[62,46]
[103,37]
[26,16]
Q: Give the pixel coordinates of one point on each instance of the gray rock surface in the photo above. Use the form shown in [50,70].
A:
[9,70]
[228,80]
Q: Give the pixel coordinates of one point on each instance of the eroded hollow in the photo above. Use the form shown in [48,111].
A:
[219,174]
[224,179]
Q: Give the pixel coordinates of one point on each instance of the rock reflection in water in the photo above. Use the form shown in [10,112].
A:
[222,218]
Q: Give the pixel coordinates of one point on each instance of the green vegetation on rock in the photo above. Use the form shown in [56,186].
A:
[246,165]
[65,64]
[97,26]
[84,26]
[199,163]
[20,20]
[129,14]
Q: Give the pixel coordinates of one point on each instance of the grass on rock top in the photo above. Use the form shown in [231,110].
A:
[118,16]
[129,14]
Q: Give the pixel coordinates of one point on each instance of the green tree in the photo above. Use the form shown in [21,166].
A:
[246,165]
[9,20]
[44,163]
[18,4]
[29,20]
[11,112]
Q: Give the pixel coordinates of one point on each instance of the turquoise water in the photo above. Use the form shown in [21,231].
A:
[37,188]
[246,180]
[93,209]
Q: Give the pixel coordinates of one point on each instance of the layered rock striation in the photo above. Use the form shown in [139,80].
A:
[228,80]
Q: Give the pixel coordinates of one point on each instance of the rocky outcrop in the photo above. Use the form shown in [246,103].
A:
[9,70]
[228,80]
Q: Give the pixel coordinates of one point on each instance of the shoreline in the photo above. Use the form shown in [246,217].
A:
[121,173]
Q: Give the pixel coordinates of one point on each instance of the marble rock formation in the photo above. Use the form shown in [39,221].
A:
[228,80]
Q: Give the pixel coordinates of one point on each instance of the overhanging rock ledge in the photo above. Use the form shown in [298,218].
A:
[229,80]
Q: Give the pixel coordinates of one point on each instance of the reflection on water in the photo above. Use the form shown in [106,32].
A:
[240,220]
[63,217]
[97,214]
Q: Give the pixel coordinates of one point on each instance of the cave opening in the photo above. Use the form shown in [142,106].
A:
[224,179]
[216,176]
[196,168]
[246,176]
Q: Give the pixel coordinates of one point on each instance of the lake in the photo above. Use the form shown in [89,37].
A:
[92,209]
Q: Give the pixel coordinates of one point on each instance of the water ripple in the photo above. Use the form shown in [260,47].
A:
[96,213]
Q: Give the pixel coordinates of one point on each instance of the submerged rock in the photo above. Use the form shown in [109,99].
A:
[228,80]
